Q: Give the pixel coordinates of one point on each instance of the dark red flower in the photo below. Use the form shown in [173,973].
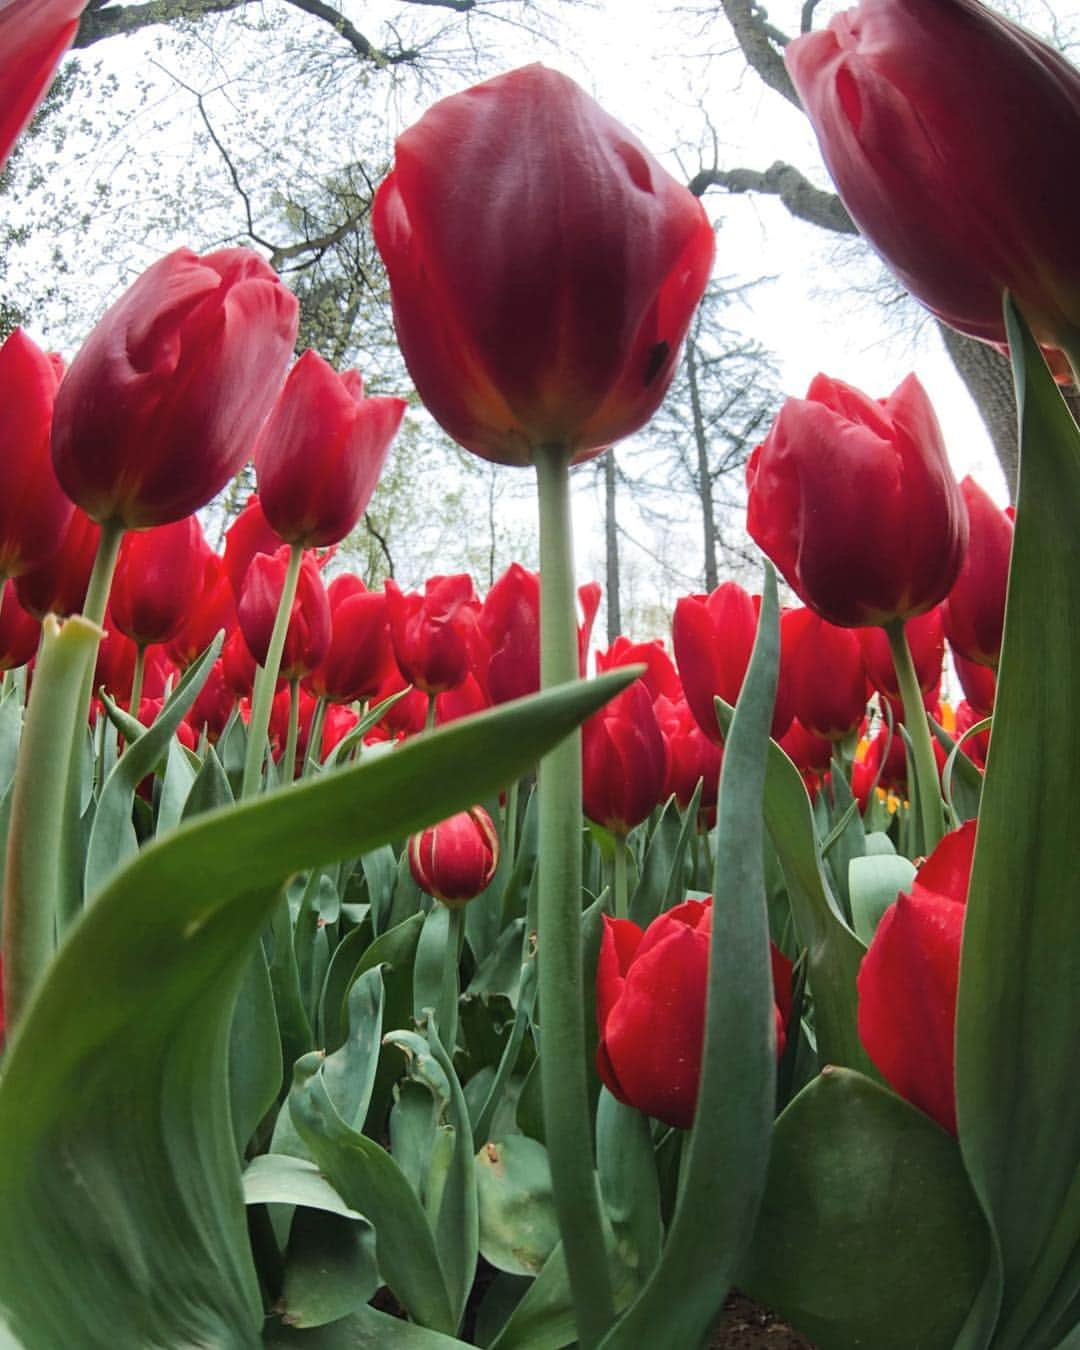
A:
[543,267]
[433,633]
[34,35]
[159,576]
[976,747]
[213,705]
[58,586]
[34,509]
[20,632]
[960,173]
[979,683]
[826,680]
[308,635]
[250,533]
[926,641]
[360,654]
[650,1009]
[456,860]
[212,611]
[510,623]
[908,981]
[974,610]
[161,406]
[692,757]
[854,501]
[624,761]
[320,452]
[660,675]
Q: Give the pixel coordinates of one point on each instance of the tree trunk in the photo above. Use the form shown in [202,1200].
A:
[704,474]
[611,539]
[989,380]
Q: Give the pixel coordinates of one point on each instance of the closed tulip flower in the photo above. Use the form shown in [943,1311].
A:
[34,35]
[321,451]
[950,135]
[926,639]
[908,980]
[212,610]
[854,501]
[161,406]
[250,533]
[650,1009]
[158,579]
[827,679]
[360,654]
[456,860]
[34,510]
[624,761]
[510,623]
[979,683]
[19,631]
[432,633]
[58,585]
[308,635]
[976,747]
[692,757]
[974,611]
[543,267]
[660,678]
[713,636]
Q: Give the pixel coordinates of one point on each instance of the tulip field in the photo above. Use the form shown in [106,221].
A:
[392,968]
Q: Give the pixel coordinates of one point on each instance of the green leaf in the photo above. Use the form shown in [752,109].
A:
[119,1066]
[724,1165]
[330,1268]
[874,883]
[869,1234]
[628,1183]
[518,1227]
[367,1329]
[1018,1015]
[277,1179]
[833,951]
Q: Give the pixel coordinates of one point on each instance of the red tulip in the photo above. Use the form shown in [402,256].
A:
[826,677]
[34,35]
[19,631]
[212,610]
[543,267]
[158,578]
[926,641]
[960,172]
[974,612]
[650,1009]
[713,636]
[308,635]
[978,683]
[908,980]
[115,667]
[660,675]
[465,700]
[510,623]
[58,586]
[238,665]
[456,860]
[624,761]
[213,705]
[854,501]
[976,747]
[692,757]
[250,533]
[360,654]
[433,633]
[161,406]
[34,510]
[811,755]
[320,452]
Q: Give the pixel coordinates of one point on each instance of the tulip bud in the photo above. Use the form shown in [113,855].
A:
[510,623]
[854,501]
[827,679]
[624,761]
[308,635]
[161,406]
[456,860]
[158,576]
[320,452]
[433,633]
[34,35]
[543,267]
[360,653]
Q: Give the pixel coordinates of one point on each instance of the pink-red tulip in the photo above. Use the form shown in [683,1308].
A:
[213,705]
[161,406]
[908,981]
[949,133]
[543,267]
[624,761]
[974,611]
[213,610]
[434,633]
[321,451]
[34,510]
[854,501]
[650,1009]
[250,533]
[158,578]
[58,586]
[308,635]
[456,860]
[510,623]
[360,654]
[660,675]
[34,35]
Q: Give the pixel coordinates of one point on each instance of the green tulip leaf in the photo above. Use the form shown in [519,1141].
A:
[118,1167]
[1018,1015]
[869,1234]
[874,882]
[518,1227]
[366,1329]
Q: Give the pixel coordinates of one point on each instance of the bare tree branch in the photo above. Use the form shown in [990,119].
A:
[380,539]
[798,194]
[761,44]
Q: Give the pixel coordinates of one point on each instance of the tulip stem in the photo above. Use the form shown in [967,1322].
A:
[262,700]
[137,680]
[313,757]
[559,947]
[927,783]
[447,1013]
[622,910]
[288,759]
[510,822]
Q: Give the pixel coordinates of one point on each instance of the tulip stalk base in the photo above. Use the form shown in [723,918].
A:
[562,1007]
[446,1016]
[622,904]
[266,678]
[927,783]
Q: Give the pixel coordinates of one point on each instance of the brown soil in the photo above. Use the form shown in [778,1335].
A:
[745,1325]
